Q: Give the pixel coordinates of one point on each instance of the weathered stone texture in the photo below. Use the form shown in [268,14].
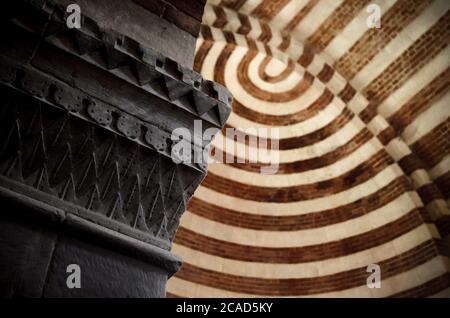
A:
[86,169]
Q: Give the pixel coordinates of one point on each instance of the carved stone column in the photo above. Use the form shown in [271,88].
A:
[86,174]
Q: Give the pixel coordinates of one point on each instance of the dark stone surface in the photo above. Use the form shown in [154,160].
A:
[86,174]
[186,15]
[142,25]
[35,254]
[26,246]
[104,273]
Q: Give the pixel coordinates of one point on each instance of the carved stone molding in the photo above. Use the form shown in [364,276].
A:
[86,122]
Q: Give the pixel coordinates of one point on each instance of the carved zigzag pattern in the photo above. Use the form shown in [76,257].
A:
[135,63]
[57,153]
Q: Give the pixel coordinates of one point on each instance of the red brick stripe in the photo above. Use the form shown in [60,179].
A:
[300,16]
[266,33]
[277,78]
[261,94]
[326,73]
[430,288]
[283,120]
[347,93]
[331,216]
[435,145]
[429,193]
[308,286]
[410,163]
[414,58]
[246,26]
[420,102]
[307,56]
[285,43]
[219,70]
[206,32]
[350,179]
[335,23]
[301,165]
[268,9]
[294,255]
[374,40]
[387,135]
[202,53]
[305,140]
[221,17]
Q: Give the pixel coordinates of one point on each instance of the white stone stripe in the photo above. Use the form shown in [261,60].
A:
[420,178]
[249,6]
[377,125]
[295,50]
[426,121]
[209,63]
[264,155]
[438,208]
[440,168]
[415,83]
[400,43]
[315,18]
[198,44]
[310,125]
[260,47]
[275,66]
[213,2]
[262,106]
[305,101]
[362,190]
[208,69]
[233,20]
[275,40]
[209,16]
[283,239]
[288,12]
[217,35]
[358,103]
[322,147]
[331,266]
[334,170]
[415,277]
[337,83]
[241,40]
[397,149]
[255,29]
[316,65]
[392,285]
[353,31]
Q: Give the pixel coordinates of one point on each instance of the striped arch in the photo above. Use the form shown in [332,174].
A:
[364,172]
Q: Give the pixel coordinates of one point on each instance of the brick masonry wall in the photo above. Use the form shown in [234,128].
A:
[364,134]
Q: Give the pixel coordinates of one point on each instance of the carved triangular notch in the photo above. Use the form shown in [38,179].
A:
[85,43]
[145,74]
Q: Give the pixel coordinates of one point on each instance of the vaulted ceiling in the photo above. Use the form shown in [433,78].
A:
[364,148]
